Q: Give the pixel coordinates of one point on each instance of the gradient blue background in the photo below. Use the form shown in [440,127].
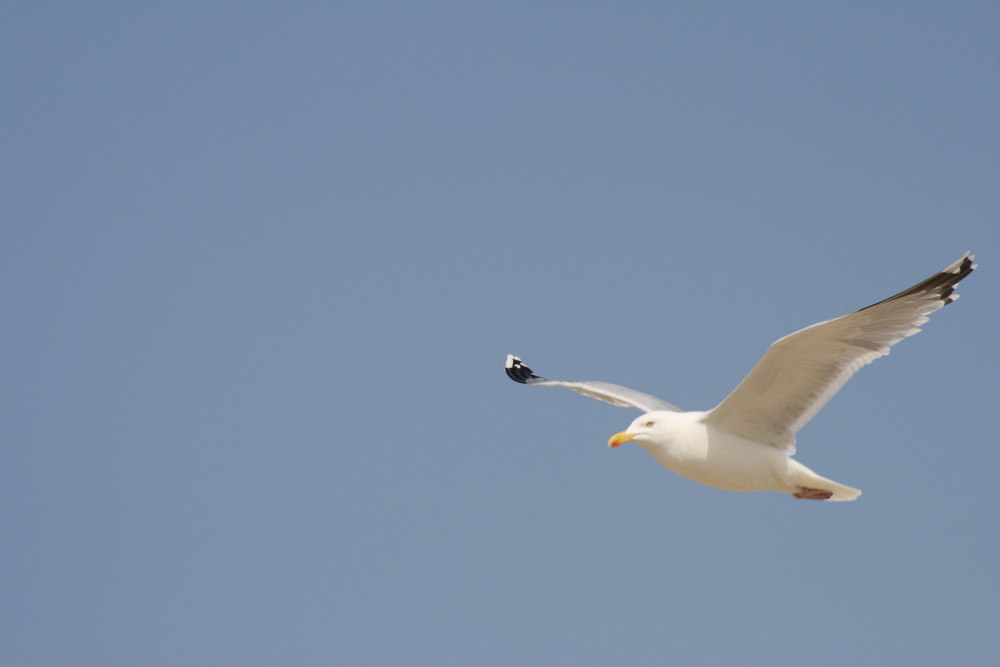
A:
[261,264]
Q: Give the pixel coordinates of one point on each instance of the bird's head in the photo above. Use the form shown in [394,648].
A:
[643,431]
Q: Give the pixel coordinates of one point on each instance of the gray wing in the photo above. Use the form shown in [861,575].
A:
[802,371]
[603,391]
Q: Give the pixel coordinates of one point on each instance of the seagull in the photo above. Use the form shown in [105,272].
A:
[746,442]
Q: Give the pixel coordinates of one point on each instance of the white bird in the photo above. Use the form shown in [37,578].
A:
[746,442]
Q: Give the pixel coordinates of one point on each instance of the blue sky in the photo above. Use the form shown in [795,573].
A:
[262,263]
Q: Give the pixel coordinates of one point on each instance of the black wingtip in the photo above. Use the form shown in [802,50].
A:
[517,371]
[959,270]
[941,284]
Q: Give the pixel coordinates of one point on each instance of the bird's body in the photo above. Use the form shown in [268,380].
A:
[685,443]
[747,441]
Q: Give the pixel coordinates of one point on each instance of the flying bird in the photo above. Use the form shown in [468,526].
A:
[746,442]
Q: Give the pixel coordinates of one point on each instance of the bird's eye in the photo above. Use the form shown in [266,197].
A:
[649,423]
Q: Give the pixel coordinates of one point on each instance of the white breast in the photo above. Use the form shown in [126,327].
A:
[684,444]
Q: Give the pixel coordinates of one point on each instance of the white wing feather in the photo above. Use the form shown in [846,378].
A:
[603,391]
[802,371]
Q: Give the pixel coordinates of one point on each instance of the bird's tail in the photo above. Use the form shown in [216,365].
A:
[809,485]
[842,492]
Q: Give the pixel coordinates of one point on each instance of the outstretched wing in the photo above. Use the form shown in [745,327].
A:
[602,391]
[802,371]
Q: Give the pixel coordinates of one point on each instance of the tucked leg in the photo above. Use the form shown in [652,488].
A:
[805,493]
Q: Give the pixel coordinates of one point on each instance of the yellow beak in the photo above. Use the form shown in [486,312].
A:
[619,439]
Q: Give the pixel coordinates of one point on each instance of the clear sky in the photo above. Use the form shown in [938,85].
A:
[262,263]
